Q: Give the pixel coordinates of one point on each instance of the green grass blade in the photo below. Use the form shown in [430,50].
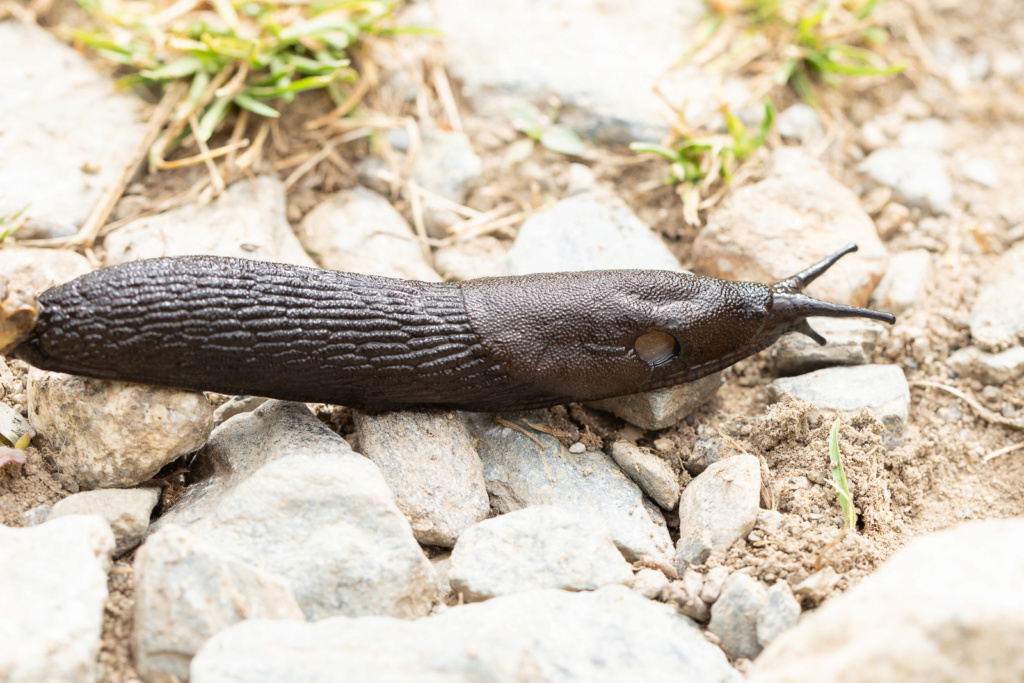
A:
[839,482]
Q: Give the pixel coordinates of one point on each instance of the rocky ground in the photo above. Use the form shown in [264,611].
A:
[689,533]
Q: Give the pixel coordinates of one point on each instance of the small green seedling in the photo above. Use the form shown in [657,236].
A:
[542,128]
[839,482]
[9,223]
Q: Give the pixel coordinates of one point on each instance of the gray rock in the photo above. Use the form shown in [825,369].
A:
[649,583]
[947,607]
[662,408]
[543,546]
[800,122]
[717,508]
[68,131]
[37,515]
[429,462]
[685,596]
[53,590]
[817,586]
[930,134]
[882,389]
[247,221]
[48,267]
[778,614]
[481,257]
[734,616]
[713,582]
[905,283]
[115,434]
[288,496]
[991,368]
[187,590]
[981,171]
[606,636]
[127,511]
[581,179]
[236,405]
[358,231]
[707,450]
[442,568]
[997,320]
[652,474]
[918,175]
[851,341]
[519,473]
[529,51]
[798,215]
[446,165]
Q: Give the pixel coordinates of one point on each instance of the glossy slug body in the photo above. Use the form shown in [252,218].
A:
[247,327]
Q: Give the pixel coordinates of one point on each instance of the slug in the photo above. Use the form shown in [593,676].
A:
[505,343]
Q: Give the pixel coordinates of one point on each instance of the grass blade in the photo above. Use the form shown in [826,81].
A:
[839,482]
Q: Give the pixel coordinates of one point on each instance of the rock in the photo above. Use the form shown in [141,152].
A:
[127,511]
[115,434]
[581,179]
[248,221]
[929,134]
[947,607]
[778,614]
[652,474]
[981,171]
[236,405]
[918,175]
[851,341]
[37,515]
[48,267]
[290,497]
[713,582]
[707,450]
[447,166]
[997,320]
[662,408]
[509,56]
[905,283]
[817,586]
[519,473]
[649,583]
[481,257]
[69,132]
[605,636]
[882,389]
[734,616]
[187,590]
[717,508]
[543,546]
[429,462]
[991,368]
[795,217]
[53,590]
[685,596]
[873,136]
[800,122]
[358,231]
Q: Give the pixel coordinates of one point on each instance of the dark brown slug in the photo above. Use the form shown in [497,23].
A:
[268,329]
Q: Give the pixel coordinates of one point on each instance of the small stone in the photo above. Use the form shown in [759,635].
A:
[429,462]
[442,569]
[873,136]
[734,616]
[127,511]
[248,221]
[480,257]
[53,590]
[542,546]
[993,368]
[981,171]
[717,508]
[358,231]
[713,582]
[577,448]
[778,614]
[851,341]
[891,220]
[795,217]
[997,316]
[236,405]
[905,283]
[800,122]
[662,408]
[115,434]
[686,601]
[930,134]
[649,583]
[817,586]
[707,450]
[447,166]
[37,515]
[651,473]
[581,179]
[882,389]
[918,175]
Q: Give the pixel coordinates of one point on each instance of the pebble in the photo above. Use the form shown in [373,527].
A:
[542,546]
[68,131]
[851,341]
[817,586]
[53,590]
[801,122]
[651,473]
[186,590]
[734,616]
[707,450]
[685,597]
[236,405]
[479,257]
[662,408]
[605,636]
[798,215]
[992,368]
[509,56]
[519,473]
[581,179]
[930,134]
[37,515]
[713,582]
[873,136]
[981,171]
[918,175]
[649,583]
[997,320]
[446,165]
[115,434]
[248,221]
[882,389]
[127,511]
[905,283]
[429,462]
[946,607]
[717,508]
[779,613]
[290,497]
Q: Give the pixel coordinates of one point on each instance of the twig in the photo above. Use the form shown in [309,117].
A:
[417,220]
[307,165]
[1003,451]
[215,177]
[444,93]
[981,410]
[207,155]
[512,425]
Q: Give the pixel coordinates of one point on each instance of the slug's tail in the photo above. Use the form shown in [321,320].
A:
[791,307]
